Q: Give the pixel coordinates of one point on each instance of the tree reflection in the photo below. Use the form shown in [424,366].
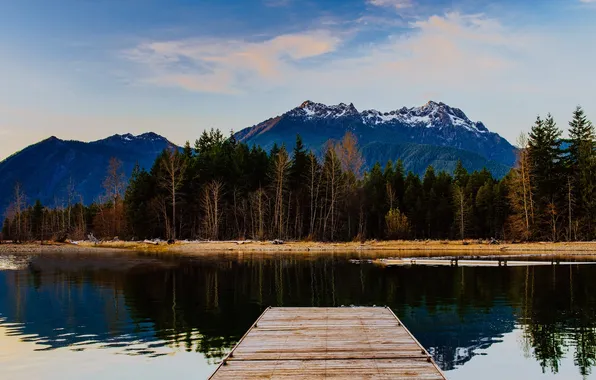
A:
[205,305]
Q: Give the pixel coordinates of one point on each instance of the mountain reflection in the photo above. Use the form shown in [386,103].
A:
[145,303]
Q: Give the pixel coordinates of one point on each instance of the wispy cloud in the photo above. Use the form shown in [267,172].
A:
[397,4]
[216,65]
[439,52]
[449,49]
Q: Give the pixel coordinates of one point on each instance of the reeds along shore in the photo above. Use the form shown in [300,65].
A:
[382,248]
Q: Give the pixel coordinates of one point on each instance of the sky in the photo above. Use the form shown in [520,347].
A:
[87,69]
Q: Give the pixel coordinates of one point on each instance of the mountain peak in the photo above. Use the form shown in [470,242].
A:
[52,139]
[306,104]
[311,109]
[129,137]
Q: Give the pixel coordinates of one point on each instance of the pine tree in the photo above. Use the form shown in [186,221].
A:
[137,199]
[430,201]
[547,171]
[460,174]
[413,206]
[581,131]
[377,203]
[37,220]
[6,229]
[581,159]
[398,183]
[298,170]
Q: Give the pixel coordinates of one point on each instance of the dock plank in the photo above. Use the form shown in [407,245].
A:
[338,343]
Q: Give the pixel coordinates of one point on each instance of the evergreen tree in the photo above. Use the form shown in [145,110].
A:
[140,203]
[430,201]
[413,205]
[376,200]
[37,220]
[460,174]
[398,183]
[582,158]
[547,171]
[581,131]
[6,230]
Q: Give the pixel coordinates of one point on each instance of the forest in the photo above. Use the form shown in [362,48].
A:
[222,189]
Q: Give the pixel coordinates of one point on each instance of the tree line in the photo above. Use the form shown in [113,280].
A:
[221,189]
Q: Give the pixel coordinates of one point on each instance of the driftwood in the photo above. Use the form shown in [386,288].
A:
[93,239]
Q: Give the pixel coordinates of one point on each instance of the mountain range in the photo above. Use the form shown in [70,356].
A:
[433,134]
[45,169]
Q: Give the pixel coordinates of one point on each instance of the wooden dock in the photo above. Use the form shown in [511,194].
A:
[337,342]
[457,262]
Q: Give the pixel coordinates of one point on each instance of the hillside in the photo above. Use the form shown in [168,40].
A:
[45,169]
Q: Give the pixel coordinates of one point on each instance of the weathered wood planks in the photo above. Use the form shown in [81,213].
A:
[345,342]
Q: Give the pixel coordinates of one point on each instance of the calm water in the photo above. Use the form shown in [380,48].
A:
[127,316]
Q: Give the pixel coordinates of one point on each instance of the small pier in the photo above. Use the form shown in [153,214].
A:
[463,262]
[335,342]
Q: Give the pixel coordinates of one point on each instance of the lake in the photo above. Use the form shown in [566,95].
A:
[122,316]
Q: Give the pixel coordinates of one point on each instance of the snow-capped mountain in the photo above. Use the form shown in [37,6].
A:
[434,124]
[432,114]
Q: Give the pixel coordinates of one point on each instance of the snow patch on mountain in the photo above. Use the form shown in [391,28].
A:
[431,115]
[319,110]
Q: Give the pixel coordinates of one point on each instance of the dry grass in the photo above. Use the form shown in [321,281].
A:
[397,248]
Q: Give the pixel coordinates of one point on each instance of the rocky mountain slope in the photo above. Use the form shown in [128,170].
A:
[441,133]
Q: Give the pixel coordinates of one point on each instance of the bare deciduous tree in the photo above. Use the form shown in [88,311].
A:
[521,196]
[212,208]
[173,167]
[314,183]
[332,173]
[350,156]
[18,206]
[280,173]
[461,209]
[114,186]
[258,205]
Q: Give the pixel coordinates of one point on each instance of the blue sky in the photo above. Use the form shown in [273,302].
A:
[86,69]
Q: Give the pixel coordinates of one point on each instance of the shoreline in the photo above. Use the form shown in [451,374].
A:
[400,248]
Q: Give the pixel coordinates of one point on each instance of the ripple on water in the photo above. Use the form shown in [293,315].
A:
[14,262]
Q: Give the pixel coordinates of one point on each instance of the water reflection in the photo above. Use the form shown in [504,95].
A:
[148,305]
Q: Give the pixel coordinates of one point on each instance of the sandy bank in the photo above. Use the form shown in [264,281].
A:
[399,248]
[36,248]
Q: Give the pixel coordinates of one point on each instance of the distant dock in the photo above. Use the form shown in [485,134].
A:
[501,262]
[336,342]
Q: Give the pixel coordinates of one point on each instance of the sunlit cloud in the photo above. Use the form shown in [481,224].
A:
[449,49]
[228,66]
